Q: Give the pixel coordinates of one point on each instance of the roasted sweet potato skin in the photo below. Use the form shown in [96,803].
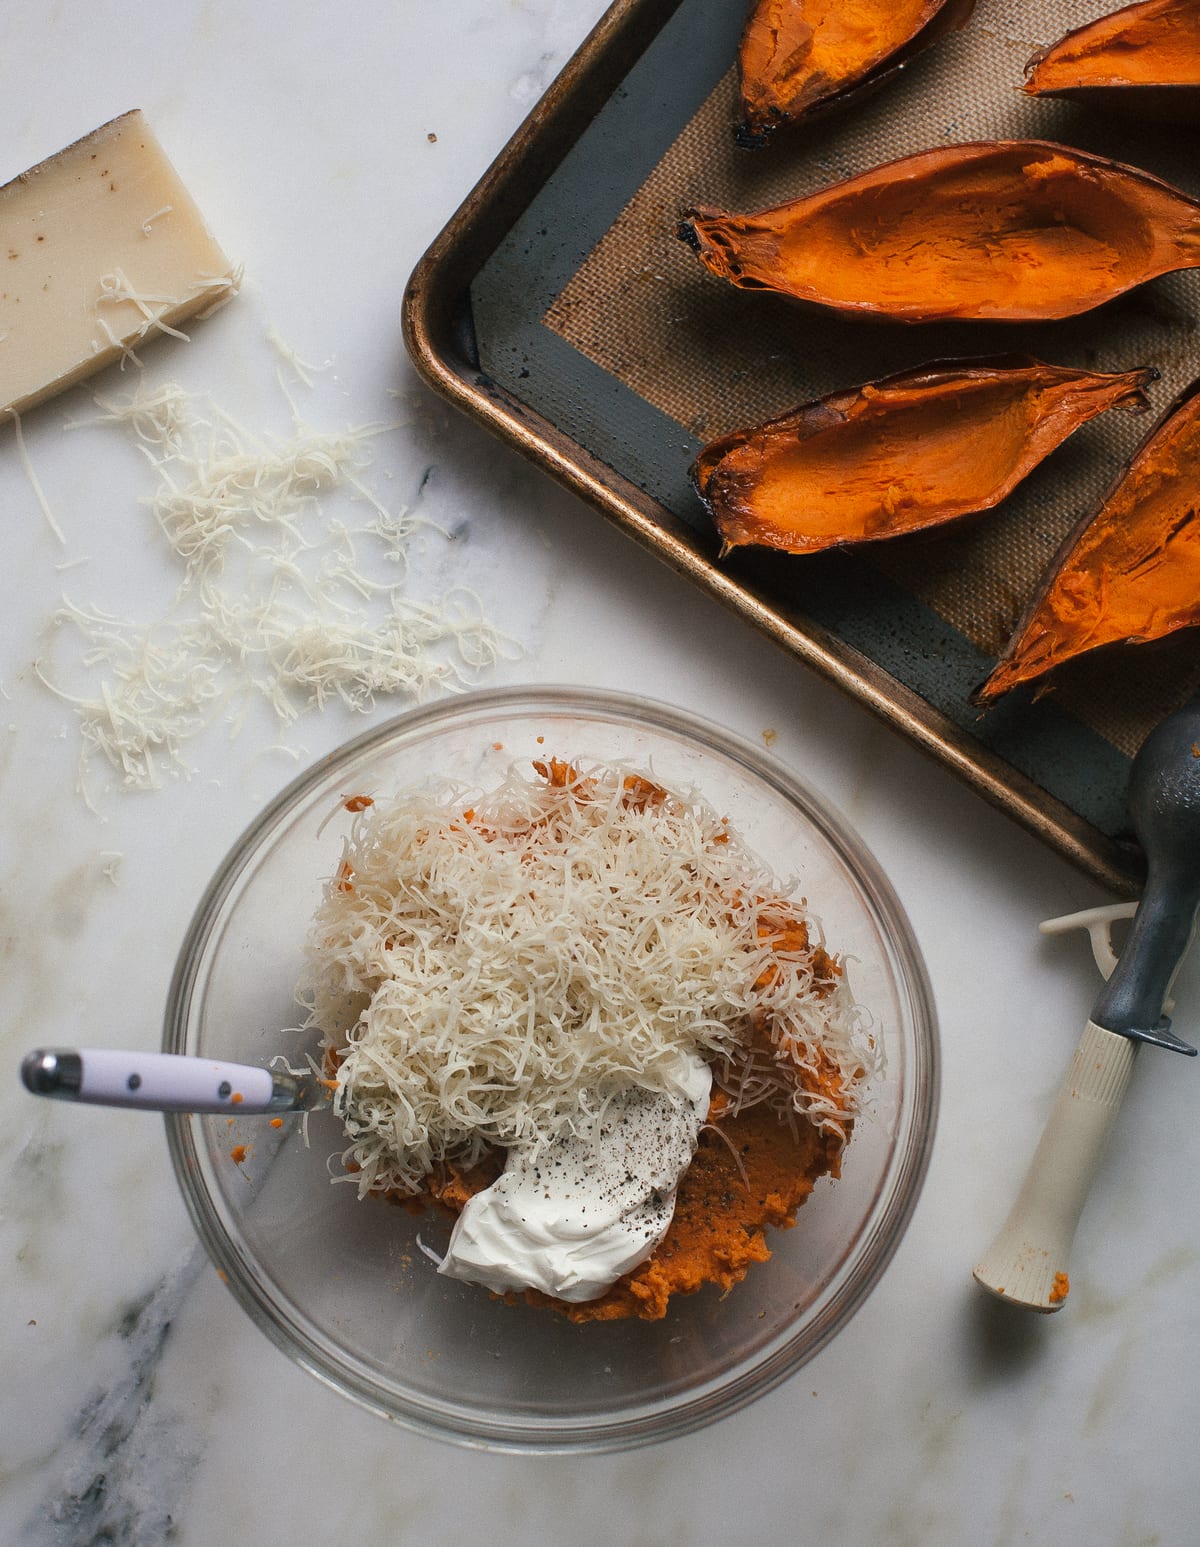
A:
[1006,230]
[900,455]
[801,58]
[1130,571]
[1144,57]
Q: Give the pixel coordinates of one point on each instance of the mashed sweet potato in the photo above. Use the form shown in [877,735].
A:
[750,1172]
[721,1219]
[787,1063]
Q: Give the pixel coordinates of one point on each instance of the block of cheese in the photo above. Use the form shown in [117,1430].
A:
[101,249]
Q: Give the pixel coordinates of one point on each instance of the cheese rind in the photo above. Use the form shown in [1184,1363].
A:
[101,248]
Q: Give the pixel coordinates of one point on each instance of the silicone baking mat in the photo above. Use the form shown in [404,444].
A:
[590,312]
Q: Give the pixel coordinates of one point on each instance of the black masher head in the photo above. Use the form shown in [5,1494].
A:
[1164,809]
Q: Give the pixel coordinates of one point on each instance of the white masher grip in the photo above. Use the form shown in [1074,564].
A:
[170,1082]
[1027,1262]
[157,1082]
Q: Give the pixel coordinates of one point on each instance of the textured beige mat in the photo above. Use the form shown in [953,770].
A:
[715,359]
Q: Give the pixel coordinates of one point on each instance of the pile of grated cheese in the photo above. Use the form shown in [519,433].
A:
[483,974]
[276,598]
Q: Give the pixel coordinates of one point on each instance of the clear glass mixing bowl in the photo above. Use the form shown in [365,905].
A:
[344,1287]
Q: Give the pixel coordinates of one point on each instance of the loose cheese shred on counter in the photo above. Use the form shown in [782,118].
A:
[34,482]
[484,968]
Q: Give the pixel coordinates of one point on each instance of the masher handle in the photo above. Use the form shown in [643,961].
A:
[1027,1262]
[154,1082]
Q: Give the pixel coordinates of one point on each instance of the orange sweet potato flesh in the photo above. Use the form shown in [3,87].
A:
[1007,230]
[1148,52]
[899,455]
[751,1172]
[1130,572]
[753,1178]
[801,57]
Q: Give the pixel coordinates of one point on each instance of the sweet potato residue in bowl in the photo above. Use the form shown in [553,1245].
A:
[752,1171]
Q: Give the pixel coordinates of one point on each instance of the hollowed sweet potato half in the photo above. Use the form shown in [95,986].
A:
[1008,230]
[1130,572]
[798,58]
[1146,56]
[900,455]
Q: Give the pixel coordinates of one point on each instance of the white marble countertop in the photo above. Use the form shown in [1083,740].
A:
[139,1403]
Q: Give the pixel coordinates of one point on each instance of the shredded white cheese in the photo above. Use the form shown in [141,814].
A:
[157,215]
[488,970]
[116,289]
[156,689]
[304,370]
[34,482]
[276,598]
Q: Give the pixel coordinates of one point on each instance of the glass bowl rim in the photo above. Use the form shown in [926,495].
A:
[886,1224]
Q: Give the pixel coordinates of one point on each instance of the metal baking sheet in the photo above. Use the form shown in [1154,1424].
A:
[559,308]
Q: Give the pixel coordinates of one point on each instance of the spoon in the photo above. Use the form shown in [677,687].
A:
[1027,1262]
[167,1082]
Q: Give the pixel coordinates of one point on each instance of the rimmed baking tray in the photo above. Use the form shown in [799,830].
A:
[559,308]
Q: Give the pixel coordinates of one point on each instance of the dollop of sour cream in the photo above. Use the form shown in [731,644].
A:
[591,1205]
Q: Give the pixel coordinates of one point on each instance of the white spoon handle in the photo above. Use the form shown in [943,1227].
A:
[156,1082]
[1027,1262]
